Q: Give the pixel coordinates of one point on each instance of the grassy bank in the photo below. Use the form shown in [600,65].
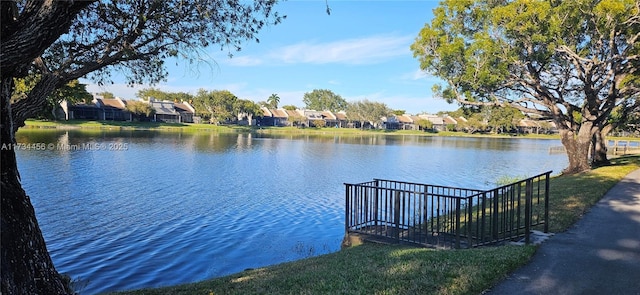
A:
[118,125]
[393,269]
[190,127]
[123,125]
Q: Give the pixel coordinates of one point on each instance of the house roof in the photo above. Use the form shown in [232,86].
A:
[114,103]
[293,113]
[450,120]
[341,116]
[434,119]
[313,115]
[266,112]
[163,107]
[329,115]
[183,107]
[279,113]
[405,119]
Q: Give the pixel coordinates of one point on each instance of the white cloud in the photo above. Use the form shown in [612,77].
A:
[368,50]
[244,61]
[419,74]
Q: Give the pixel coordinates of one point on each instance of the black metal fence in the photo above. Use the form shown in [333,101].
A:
[440,216]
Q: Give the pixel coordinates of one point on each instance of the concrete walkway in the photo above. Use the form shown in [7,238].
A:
[600,254]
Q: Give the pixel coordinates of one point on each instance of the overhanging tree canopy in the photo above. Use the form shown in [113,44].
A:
[557,59]
[136,37]
[64,40]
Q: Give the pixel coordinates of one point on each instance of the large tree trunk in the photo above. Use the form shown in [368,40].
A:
[26,265]
[25,34]
[577,147]
[599,151]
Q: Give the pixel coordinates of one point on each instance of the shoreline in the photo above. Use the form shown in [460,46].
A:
[192,127]
[153,126]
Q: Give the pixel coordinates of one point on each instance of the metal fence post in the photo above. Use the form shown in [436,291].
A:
[494,215]
[365,205]
[457,223]
[527,210]
[469,222]
[396,216]
[375,203]
[546,202]
[347,209]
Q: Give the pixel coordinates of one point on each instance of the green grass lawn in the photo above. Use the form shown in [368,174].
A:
[124,125]
[396,269]
[370,269]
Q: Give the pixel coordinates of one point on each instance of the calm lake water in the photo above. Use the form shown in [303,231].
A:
[133,209]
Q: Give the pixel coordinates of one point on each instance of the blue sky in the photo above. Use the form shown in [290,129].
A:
[360,51]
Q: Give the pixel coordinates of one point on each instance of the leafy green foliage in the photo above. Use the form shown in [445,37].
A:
[73,92]
[367,111]
[319,123]
[273,101]
[106,94]
[503,119]
[158,94]
[218,105]
[140,110]
[247,107]
[296,120]
[572,61]
[324,100]
[135,38]
[424,124]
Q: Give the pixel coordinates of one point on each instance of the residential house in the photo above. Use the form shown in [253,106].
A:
[294,118]
[100,108]
[311,117]
[401,122]
[450,123]
[186,111]
[330,119]
[437,121]
[272,117]
[390,123]
[342,120]
[81,111]
[112,109]
[164,111]
[266,119]
[280,117]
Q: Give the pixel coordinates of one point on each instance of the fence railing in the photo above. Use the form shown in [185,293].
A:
[442,216]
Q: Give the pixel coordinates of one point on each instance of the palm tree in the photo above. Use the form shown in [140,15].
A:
[273,101]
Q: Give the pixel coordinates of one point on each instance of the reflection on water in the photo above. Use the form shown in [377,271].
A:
[177,207]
